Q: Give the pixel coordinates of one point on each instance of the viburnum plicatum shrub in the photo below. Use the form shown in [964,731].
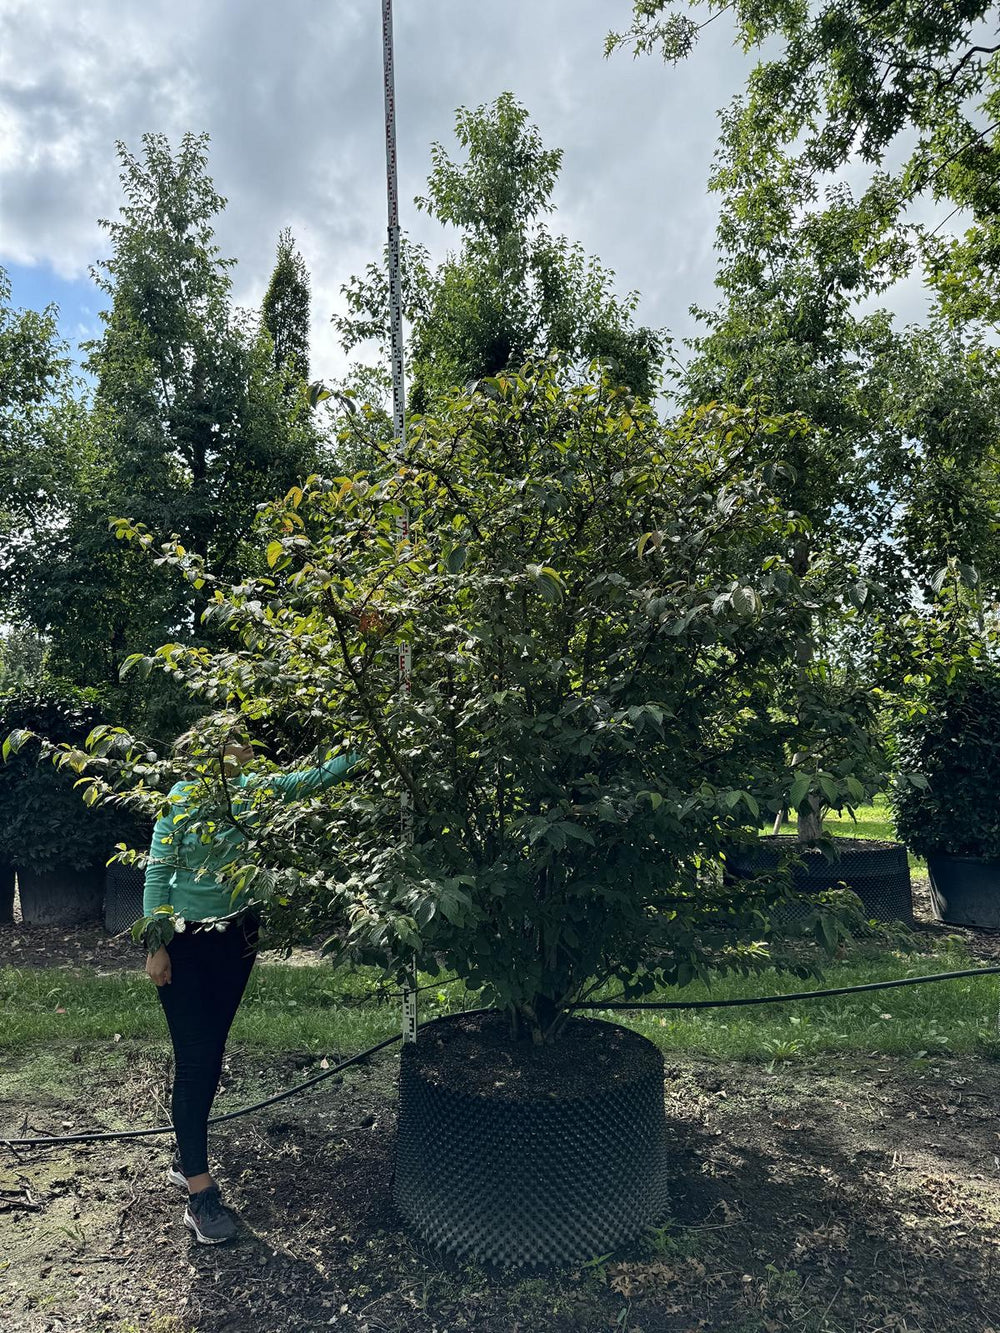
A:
[601,608]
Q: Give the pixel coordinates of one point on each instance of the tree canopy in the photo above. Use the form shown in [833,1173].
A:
[908,88]
[285,312]
[189,428]
[511,287]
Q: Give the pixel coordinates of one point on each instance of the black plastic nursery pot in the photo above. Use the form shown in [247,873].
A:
[123,886]
[965,890]
[529,1157]
[877,871]
[6,893]
[61,897]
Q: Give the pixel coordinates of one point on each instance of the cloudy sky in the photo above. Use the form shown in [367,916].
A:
[292,98]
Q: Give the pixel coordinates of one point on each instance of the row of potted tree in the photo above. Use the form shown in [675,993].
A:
[946,744]
[53,844]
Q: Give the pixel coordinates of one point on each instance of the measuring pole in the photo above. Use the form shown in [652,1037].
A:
[398,417]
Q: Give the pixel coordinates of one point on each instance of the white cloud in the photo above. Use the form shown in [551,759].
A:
[292,97]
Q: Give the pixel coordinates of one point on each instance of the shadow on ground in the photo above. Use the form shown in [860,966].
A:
[818,1196]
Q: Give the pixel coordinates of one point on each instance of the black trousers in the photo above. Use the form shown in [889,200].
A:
[209,973]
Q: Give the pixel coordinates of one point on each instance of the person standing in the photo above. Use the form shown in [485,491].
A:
[201,973]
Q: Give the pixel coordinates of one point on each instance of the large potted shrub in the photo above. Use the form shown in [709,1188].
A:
[56,844]
[599,612]
[945,798]
[834,735]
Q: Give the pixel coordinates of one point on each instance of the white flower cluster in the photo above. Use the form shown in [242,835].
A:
[180,925]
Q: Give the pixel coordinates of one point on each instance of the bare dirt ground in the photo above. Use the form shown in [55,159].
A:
[821,1196]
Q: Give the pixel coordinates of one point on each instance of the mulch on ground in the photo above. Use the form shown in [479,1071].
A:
[834,1195]
[828,1196]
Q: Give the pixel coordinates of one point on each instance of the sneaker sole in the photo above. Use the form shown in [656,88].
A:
[175,1178]
[190,1222]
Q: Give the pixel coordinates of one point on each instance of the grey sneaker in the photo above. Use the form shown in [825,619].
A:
[209,1218]
[175,1175]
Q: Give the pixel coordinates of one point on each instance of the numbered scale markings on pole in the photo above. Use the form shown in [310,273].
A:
[392,191]
[398,413]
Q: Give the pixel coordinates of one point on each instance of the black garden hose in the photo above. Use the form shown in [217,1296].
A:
[591,1005]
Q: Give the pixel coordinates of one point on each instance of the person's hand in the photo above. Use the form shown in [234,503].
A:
[158,966]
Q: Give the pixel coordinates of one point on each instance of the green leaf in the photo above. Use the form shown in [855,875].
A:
[16,741]
[131,662]
[577,831]
[800,790]
[547,582]
[829,787]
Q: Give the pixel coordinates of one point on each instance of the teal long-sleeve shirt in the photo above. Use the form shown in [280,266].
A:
[182,869]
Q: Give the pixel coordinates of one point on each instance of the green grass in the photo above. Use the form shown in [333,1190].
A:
[942,1018]
[312,1009]
[285,1008]
[872,821]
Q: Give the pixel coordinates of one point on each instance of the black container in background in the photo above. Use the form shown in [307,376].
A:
[6,894]
[965,890]
[878,873]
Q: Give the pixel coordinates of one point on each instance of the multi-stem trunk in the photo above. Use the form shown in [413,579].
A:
[535,1020]
[810,823]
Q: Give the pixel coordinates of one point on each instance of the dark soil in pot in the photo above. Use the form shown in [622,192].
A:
[876,870]
[522,1156]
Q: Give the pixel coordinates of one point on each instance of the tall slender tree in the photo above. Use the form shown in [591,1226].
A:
[285,312]
[35,379]
[199,435]
[189,431]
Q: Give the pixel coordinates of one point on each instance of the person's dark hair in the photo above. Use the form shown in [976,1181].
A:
[232,726]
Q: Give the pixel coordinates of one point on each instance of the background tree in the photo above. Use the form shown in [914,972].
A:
[511,287]
[899,475]
[285,313]
[22,659]
[190,426]
[200,434]
[914,85]
[39,421]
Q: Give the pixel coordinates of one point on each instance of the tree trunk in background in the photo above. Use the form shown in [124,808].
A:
[810,826]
